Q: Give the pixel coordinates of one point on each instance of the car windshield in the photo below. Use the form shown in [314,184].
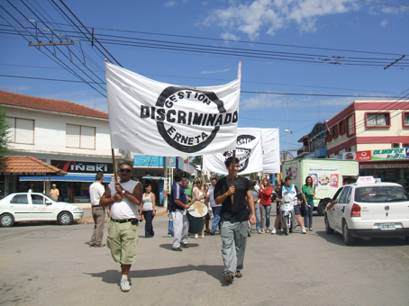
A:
[377,194]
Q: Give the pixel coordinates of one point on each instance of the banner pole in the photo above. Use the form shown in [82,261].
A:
[114,165]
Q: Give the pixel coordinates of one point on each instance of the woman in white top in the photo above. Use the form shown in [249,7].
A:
[148,209]
[198,194]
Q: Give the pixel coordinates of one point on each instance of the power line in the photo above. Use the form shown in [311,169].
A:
[197,37]
[277,93]
[242,52]
[50,54]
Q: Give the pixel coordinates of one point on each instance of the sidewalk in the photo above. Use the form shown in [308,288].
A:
[87,218]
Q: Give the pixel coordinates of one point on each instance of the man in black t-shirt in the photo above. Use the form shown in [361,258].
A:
[234,193]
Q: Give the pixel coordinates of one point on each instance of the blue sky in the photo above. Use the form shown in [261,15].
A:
[340,24]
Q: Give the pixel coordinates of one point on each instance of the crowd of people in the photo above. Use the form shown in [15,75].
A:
[233,203]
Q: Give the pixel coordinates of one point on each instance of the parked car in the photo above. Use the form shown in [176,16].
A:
[32,206]
[368,209]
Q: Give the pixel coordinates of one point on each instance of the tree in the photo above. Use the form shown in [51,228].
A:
[4,136]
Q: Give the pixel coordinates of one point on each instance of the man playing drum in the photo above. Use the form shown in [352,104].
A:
[234,193]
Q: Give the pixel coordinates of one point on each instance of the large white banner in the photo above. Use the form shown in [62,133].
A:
[154,118]
[271,150]
[248,150]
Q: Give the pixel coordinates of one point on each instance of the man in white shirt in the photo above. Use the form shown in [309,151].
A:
[124,199]
[96,191]
[216,208]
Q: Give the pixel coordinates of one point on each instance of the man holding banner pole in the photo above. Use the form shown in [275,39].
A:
[234,193]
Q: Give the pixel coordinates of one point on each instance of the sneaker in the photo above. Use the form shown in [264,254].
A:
[184,245]
[303,230]
[238,274]
[125,285]
[179,249]
[196,236]
[228,278]
[273,231]
[310,229]
[259,232]
[202,236]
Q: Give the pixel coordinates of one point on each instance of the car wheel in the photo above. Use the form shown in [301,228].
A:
[6,220]
[328,228]
[65,218]
[346,235]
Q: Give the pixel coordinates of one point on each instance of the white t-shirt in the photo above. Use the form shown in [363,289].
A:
[212,200]
[124,209]
[147,202]
[96,190]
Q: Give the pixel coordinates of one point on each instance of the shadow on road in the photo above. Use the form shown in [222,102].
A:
[113,276]
[168,246]
[336,238]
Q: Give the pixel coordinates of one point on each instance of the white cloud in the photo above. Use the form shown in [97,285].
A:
[170,3]
[264,101]
[384,23]
[254,17]
[229,36]
[215,71]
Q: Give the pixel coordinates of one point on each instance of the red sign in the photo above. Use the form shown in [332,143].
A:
[363,155]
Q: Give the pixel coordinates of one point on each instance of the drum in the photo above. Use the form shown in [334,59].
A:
[195,214]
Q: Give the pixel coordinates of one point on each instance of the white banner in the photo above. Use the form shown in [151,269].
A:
[248,150]
[153,118]
[271,150]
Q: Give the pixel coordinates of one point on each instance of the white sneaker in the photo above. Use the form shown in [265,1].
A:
[125,285]
[304,231]
[273,231]
[196,236]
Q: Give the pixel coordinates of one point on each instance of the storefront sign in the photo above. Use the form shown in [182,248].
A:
[383,154]
[82,167]
[363,155]
[147,161]
[390,154]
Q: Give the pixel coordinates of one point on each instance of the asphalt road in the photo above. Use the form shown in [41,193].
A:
[52,265]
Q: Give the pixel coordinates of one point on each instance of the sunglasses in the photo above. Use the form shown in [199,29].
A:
[125,170]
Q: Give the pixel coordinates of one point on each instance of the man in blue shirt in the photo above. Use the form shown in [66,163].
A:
[178,210]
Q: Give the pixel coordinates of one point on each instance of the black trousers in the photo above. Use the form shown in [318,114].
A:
[148,216]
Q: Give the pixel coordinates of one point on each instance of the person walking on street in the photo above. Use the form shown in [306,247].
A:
[308,191]
[234,193]
[54,193]
[148,210]
[216,208]
[96,191]
[198,195]
[264,195]
[256,206]
[179,205]
[276,197]
[123,198]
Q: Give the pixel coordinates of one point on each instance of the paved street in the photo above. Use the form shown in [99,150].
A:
[52,265]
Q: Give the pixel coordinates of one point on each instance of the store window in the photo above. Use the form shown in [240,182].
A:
[334,131]
[405,119]
[342,127]
[351,125]
[377,120]
[79,136]
[20,130]
[395,145]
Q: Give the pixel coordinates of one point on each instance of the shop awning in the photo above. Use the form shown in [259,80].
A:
[70,177]
[20,165]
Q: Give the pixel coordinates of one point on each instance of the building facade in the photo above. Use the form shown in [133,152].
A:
[70,136]
[376,133]
[314,144]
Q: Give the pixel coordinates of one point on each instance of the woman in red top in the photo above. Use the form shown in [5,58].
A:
[264,195]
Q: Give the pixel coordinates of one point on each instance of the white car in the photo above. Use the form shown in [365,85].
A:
[32,206]
[368,210]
